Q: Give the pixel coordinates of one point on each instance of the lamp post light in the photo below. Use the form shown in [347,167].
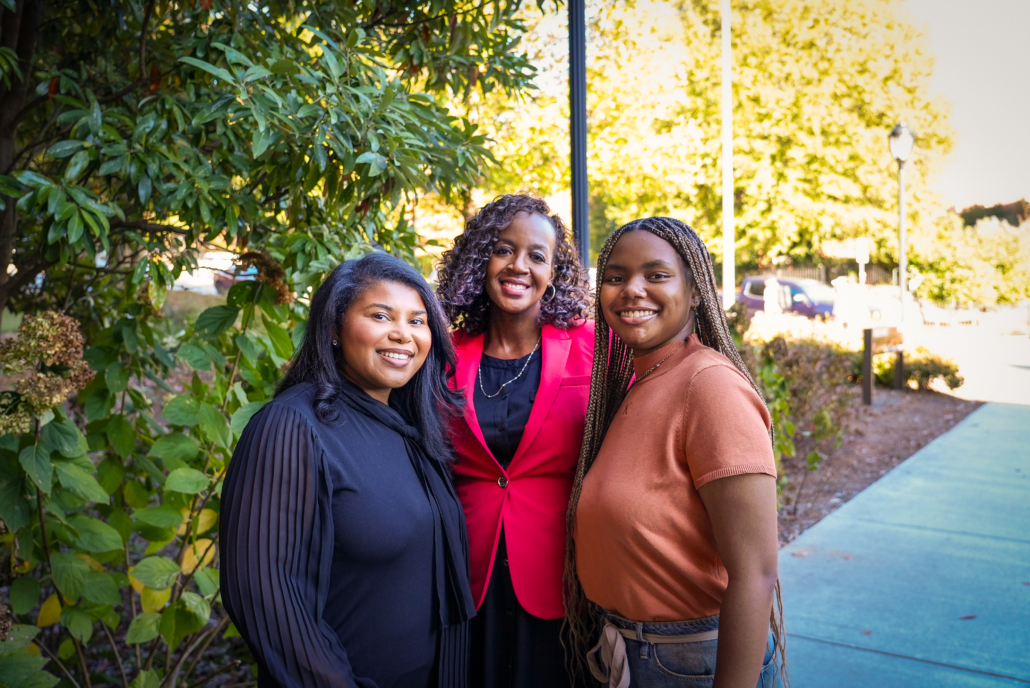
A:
[901,140]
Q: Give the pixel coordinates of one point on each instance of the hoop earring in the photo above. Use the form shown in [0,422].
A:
[554,292]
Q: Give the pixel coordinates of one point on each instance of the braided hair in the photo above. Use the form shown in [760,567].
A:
[609,383]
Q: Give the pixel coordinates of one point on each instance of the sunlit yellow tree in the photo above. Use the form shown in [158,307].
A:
[817,86]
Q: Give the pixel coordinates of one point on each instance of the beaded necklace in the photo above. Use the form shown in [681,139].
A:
[501,388]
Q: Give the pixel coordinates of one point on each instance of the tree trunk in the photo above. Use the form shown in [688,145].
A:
[17,32]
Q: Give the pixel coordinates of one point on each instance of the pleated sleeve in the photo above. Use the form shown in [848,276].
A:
[276,550]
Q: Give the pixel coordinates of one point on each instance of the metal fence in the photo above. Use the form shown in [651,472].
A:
[874,274]
[817,272]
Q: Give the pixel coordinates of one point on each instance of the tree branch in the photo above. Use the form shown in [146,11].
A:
[147,11]
[145,226]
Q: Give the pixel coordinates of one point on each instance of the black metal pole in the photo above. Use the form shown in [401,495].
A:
[867,367]
[578,127]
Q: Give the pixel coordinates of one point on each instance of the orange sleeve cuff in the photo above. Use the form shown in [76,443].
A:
[734,470]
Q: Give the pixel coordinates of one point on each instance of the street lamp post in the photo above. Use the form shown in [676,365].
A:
[578,127]
[901,141]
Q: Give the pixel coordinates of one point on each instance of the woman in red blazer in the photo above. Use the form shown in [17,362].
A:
[514,290]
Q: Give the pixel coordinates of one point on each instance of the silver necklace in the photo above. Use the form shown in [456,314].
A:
[501,388]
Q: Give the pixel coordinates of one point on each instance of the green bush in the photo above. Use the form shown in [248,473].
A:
[921,369]
[294,135]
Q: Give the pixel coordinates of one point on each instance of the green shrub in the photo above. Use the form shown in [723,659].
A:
[921,369]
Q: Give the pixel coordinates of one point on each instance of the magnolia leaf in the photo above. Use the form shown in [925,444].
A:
[63,149]
[187,481]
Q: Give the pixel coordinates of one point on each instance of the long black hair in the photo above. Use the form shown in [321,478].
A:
[426,401]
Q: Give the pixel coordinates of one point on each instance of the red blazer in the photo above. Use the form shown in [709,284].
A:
[530,498]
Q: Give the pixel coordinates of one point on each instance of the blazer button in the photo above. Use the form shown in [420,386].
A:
[502,481]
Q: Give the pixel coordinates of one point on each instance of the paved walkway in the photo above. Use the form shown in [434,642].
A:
[923,579]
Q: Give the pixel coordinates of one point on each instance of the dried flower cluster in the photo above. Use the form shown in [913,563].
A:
[270,273]
[46,359]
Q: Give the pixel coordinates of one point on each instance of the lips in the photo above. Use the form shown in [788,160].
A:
[514,287]
[396,357]
[636,316]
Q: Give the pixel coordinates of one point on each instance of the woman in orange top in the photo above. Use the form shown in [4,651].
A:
[673,512]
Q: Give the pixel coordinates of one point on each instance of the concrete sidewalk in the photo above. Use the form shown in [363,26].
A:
[923,579]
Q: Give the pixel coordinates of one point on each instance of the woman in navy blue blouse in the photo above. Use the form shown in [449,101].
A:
[343,545]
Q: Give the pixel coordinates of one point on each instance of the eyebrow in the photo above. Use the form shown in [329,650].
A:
[509,242]
[650,264]
[391,308]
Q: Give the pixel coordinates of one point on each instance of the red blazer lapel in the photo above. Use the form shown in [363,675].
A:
[470,353]
[555,348]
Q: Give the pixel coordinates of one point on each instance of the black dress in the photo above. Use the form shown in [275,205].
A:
[343,548]
[511,648]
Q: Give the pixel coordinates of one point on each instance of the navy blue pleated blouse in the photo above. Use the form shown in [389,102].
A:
[327,550]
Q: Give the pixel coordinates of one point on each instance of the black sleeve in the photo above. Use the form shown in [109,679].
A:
[276,549]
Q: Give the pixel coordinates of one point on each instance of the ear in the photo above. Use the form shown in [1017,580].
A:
[695,297]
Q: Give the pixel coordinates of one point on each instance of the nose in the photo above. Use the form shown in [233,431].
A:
[634,289]
[401,332]
[518,263]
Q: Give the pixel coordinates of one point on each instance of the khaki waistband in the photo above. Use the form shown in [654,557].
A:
[611,650]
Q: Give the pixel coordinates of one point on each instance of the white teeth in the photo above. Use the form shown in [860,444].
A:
[511,285]
[637,314]
[399,357]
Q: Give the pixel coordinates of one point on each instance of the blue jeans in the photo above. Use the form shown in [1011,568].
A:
[675,665]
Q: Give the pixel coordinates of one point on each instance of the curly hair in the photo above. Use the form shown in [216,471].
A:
[462,270]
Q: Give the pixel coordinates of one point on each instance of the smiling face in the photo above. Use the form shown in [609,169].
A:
[384,338]
[520,268]
[647,293]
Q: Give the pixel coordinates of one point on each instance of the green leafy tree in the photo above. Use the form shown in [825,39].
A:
[134,135]
[818,84]
[982,266]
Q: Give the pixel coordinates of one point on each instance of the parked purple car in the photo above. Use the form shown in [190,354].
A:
[808,297]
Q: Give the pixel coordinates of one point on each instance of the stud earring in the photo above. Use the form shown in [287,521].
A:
[336,343]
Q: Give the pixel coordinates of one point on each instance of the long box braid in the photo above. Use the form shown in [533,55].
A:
[609,382]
